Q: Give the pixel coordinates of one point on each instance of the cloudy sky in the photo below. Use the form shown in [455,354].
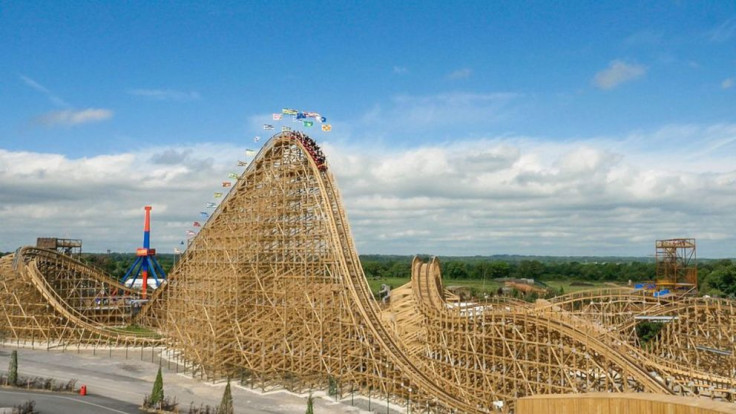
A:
[583,128]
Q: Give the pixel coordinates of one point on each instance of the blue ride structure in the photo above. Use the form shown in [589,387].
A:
[145,261]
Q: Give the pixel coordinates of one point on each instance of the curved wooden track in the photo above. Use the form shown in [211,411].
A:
[271,291]
[50,298]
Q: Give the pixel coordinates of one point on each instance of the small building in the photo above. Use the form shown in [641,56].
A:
[69,247]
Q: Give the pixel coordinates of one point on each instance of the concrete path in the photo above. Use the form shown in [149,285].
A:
[110,374]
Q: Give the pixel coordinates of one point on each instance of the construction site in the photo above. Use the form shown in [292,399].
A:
[271,291]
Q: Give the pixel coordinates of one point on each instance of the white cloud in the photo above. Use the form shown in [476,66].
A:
[460,74]
[618,72]
[72,117]
[165,94]
[727,83]
[602,196]
[400,70]
[100,199]
[599,196]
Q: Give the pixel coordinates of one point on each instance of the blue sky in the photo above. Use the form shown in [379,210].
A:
[589,127]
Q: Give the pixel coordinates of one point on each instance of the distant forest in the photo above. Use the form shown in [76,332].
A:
[715,277]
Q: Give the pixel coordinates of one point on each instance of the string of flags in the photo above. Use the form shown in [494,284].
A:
[307,119]
[304,119]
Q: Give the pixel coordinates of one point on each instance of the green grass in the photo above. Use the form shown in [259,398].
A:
[394,282]
[479,287]
[565,285]
[138,330]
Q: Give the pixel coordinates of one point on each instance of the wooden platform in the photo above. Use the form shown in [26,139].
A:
[620,403]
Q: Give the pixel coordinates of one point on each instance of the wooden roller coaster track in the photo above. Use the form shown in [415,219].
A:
[271,291]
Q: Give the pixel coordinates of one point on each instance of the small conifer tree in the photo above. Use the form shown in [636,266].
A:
[226,405]
[13,369]
[310,404]
[157,394]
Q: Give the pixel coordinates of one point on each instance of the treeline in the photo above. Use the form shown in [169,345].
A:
[116,264]
[715,277]
[478,269]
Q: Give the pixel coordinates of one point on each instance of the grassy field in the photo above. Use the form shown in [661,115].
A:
[479,287]
[139,330]
[567,288]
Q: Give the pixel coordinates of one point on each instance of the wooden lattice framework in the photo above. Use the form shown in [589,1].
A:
[271,291]
[51,298]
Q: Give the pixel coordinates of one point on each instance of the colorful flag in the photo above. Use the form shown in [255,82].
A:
[218,195]
[196,224]
[287,111]
[300,115]
[204,214]
[176,250]
[226,184]
[190,233]
[277,117]
[308,123]
[311,115]
[285,129]
[233,175]
[256,139]
[322,120]
[211,205]
[267,127]
[182,242]
[327,127]
[249,152]
[242,163]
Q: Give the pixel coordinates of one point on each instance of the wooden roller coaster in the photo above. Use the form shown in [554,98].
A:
[271,291]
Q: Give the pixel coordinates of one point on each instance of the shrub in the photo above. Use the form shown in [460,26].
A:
[226,405]
[13,369]
[310,404]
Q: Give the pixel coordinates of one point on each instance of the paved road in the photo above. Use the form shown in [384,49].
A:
[64,403]
[127,380]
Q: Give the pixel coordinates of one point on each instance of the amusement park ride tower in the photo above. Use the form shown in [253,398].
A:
[677,270]
[145,261]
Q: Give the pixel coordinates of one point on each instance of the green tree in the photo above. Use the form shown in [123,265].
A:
[13,369]
[498,270]
[310,404]
[157,394]
[226,405]
[530,269]
[720,282]
[648,331]
[455,270]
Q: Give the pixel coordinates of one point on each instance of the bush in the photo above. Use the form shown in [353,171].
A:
[13,369]
[310,404]
[27,407]
[157,394]
[202,409]
[226,405]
